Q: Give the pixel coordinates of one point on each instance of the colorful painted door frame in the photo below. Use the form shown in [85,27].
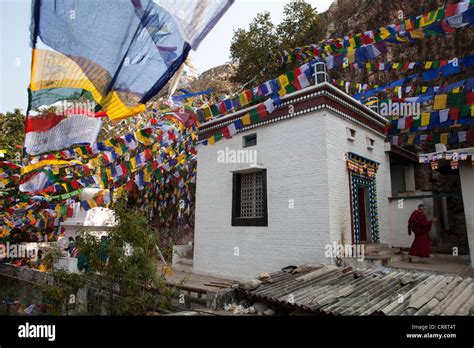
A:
[362,173]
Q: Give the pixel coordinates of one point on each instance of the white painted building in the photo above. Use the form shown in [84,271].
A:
[466,172]
[300,195]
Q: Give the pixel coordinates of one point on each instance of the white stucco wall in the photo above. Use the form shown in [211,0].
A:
[304,158]
[293,152]
[466,172]
[399,212]
[339,196]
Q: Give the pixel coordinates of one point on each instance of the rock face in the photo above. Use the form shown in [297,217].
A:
[218,78]
[354,16]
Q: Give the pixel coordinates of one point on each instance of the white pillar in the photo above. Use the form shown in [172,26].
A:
[466,173]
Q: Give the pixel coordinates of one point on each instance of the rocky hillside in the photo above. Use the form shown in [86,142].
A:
[218,78]
[354,16]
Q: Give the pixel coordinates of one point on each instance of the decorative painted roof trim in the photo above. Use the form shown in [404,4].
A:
[370,116]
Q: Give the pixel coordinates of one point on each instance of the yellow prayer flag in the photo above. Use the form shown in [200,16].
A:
[440,101]
[425,119]
[428,65]
[243,99]
[444,138]
[411,138]
[43,163]
[428,19]
[352,42]
[211,140]
[417,34]
[147,176]
[350,55]
[472,111]
[142,139]
[283,79]
[456,90]
[246,119]
[424,89]
[108,143]
[118,150]
[384,33]
[402,39]
[408,24]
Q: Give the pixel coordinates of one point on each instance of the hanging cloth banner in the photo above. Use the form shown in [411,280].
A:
[52,132]
[123,54]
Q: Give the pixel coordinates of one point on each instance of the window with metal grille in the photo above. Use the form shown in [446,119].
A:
[249,206]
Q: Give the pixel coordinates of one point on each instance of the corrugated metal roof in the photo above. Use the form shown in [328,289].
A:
[344,291]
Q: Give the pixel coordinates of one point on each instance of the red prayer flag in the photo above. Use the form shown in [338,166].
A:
[262,112]
[454,114]
[221,107]
[469,98]
[43,123]
[249,95]
[450,10]
[225,133]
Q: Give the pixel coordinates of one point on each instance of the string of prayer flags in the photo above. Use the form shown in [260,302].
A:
[273,89]
[361,47]
[426,65]
[453,157]
[448,138]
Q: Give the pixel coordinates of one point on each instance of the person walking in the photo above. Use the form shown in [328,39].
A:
[420,226]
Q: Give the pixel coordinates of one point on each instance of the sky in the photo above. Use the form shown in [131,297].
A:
[15,53]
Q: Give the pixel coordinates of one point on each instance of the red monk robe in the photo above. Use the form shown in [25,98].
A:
[421,226]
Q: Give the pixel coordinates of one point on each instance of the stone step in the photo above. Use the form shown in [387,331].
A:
[389,251]
[369,247]
[385,260]
[188,262]
[182,267]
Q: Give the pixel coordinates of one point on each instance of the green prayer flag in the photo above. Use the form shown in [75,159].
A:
[455,100]
[465,111]
[416,121]
[254,115]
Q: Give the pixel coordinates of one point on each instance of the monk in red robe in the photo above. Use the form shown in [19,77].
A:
[421,226]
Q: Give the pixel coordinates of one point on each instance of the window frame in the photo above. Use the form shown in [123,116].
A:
[236,201]
[248,137]
[370,143]
[351,134]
